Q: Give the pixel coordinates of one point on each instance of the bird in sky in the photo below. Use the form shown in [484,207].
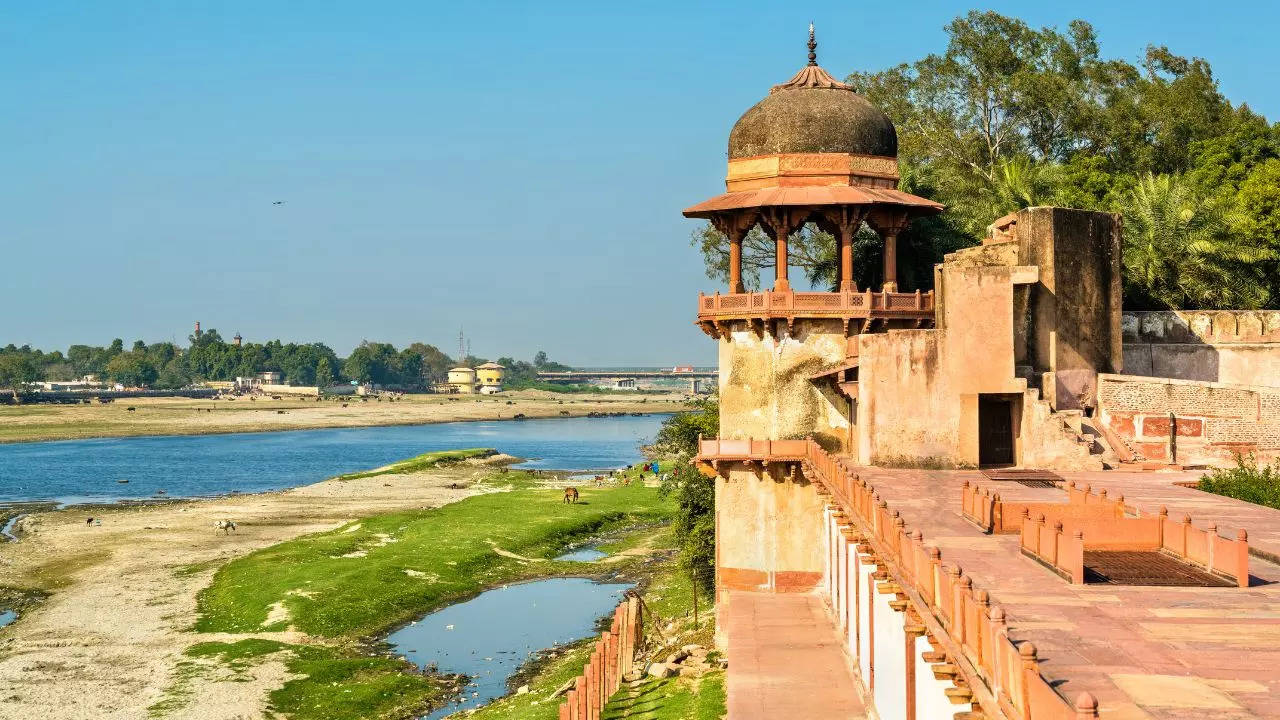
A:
[278,202]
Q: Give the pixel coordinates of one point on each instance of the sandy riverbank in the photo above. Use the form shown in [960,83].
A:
[181,416]
[103,645]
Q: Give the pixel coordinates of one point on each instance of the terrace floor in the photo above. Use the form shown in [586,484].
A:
[1169,652]
[786,660]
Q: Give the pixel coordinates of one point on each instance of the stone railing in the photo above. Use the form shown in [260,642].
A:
[751,449]
[869,542]
[1061,544]
[614,657]
[790,304]
[993,514]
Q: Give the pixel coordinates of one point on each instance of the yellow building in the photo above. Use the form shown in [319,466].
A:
[490,377]
[463,380]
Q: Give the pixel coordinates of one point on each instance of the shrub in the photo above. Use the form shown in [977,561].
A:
[1246,481]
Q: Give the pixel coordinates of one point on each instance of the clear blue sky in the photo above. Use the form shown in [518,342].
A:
[515,169]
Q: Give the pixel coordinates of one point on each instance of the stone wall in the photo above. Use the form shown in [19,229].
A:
[1229,346]
[919,390]
[768,525]
[1211,421]
[765,387]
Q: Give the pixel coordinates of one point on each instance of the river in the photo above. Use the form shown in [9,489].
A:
[79,471]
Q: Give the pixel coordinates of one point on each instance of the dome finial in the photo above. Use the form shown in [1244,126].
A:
[813,47]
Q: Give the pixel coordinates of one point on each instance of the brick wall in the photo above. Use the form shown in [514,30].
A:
[1211,421]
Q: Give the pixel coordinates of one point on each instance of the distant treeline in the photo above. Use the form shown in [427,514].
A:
[165,365]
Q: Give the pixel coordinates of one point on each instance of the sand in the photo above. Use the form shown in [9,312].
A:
[106,642]
[181,416]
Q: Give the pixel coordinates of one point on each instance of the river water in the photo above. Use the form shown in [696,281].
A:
[76,471]
[491,635]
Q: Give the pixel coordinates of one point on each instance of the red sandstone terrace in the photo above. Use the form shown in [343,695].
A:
[1067,584]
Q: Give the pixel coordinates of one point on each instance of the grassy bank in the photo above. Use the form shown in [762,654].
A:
[370,576]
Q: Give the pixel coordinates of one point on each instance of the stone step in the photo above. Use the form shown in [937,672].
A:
[934,656]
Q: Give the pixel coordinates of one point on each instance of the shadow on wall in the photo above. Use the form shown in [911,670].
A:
[1229,346]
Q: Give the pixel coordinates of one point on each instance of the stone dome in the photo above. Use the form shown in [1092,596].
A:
[813,113]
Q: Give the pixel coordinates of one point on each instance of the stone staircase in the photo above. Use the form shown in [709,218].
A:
[1061,439]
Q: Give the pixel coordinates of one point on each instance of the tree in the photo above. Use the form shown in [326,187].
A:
[693,492]
[1180,250]
[133,369]
[324,374]
[17,370]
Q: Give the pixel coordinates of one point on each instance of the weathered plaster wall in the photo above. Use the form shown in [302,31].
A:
[919,389]
[1211,420]
[769,524]
[1076,304]
[1229,346]
[768,529]
[765,391]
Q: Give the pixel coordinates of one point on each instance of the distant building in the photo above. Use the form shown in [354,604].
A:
[271,377]
[463,380]
[624,384]
[490,376]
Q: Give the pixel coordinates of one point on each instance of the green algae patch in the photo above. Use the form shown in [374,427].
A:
[326,683]
[421,462]
[370,576]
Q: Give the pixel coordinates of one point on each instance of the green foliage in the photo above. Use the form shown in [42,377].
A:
[1246,481]
[679,433]
[17,369]
[1180,252]
[693,492]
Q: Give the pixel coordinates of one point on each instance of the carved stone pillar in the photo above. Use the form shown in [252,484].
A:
[890,223]
[782,221]
[735,227]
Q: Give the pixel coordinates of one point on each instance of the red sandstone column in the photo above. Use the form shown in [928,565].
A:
[780,282]
[890,262]
[846,258]
[735,262]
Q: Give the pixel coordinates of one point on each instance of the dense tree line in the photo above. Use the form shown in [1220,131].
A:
[1010,116]
[208,357]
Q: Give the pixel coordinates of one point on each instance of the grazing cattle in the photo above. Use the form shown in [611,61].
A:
[571,495]
[131,409]
[564,412]
[226,526]
[626,482]
[88,521]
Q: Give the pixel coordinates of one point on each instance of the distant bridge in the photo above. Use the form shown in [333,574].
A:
[589,375]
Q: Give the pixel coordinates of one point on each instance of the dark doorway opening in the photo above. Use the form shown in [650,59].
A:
[995,430]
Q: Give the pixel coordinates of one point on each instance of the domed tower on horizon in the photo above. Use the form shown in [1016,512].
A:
[813,150]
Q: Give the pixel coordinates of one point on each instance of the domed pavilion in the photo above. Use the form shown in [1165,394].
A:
[813,150]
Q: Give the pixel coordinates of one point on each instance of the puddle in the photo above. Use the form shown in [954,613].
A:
[586,553]
[7,532]
[490,636]
[7,617]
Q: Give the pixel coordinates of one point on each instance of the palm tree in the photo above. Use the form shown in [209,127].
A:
[1180,250]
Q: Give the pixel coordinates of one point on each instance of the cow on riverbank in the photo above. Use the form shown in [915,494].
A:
[571,495]
[226,526]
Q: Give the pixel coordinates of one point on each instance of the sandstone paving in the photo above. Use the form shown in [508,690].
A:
[786,660]
[1168,652]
